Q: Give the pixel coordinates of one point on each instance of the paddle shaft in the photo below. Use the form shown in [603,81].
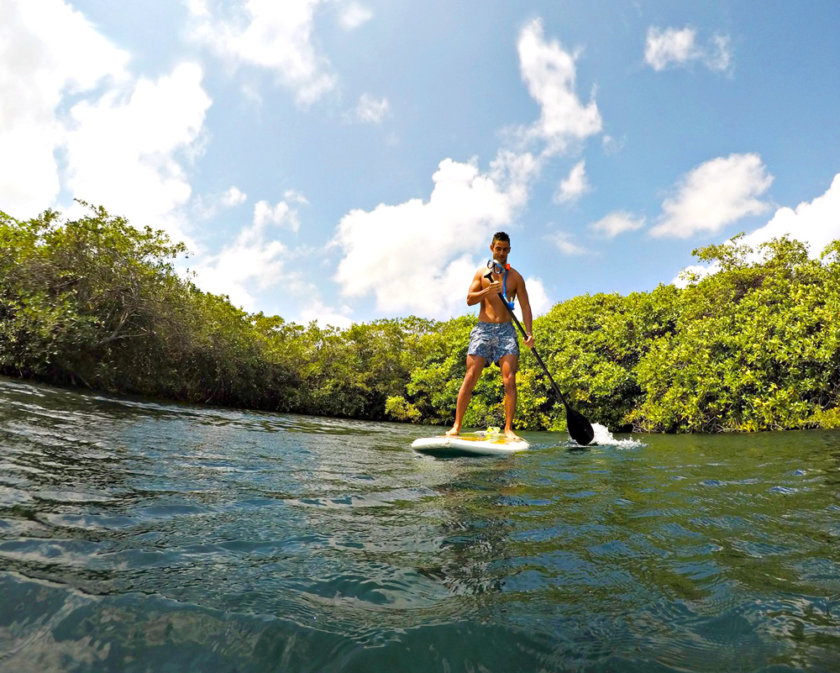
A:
[534,351]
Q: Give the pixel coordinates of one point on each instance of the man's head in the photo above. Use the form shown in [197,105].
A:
[500,247]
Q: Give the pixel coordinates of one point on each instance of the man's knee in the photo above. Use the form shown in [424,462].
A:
[471,379]
[509,367]
[474,369]
[509,381]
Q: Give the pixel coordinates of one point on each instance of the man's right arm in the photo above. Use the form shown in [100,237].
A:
[476,294]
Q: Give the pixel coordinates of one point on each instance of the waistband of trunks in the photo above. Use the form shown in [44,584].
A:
[494,325]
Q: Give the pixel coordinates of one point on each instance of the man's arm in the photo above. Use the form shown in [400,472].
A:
[527,317]
[476,294]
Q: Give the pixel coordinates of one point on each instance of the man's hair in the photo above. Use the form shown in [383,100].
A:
[501,236]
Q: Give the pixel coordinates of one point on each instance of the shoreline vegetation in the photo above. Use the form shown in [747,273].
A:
[96,303]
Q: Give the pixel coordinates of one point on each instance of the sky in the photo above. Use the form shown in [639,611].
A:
[349,160]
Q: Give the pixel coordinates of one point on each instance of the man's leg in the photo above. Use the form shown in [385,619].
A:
[474,366]
[509,364]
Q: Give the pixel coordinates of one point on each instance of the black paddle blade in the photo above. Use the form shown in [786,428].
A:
[579,428]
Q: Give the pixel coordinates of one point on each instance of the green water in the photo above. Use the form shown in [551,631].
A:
[146,537]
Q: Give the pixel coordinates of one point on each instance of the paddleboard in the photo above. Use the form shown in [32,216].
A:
[479,443]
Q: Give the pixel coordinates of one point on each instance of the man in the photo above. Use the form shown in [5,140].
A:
[494,338]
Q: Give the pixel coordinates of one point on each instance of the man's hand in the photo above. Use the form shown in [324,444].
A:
[495,286]
[529,340]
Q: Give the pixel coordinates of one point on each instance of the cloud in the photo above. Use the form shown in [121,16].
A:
[42,64]
[574,186]
[76,122]
[718,58]
[293,196]
[816,222]
[254,261]
[354,15]
[537,297]
[370,110]
[416,256]
[276,36]
[281,214]
[123,149]
[563,242]
[693,274]
[671,46]
[549,73]
[714,195]
[612,145]
[206,207]
[326,316]
[234,197]
[617,223]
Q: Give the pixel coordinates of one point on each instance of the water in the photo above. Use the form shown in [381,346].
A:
[137,536]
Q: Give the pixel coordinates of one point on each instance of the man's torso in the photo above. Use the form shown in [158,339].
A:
[492,308]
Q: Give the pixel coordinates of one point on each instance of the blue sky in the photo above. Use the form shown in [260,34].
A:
[346,160]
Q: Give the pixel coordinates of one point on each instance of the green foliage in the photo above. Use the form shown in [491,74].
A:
[592,345]
[399,409]
[754,346]
[97,302]
[438,368]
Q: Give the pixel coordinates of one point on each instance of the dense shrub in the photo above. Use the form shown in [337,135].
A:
[754,346]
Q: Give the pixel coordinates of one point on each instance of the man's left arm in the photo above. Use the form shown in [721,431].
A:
[527,318]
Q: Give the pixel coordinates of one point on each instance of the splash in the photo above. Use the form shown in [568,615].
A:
[603,437]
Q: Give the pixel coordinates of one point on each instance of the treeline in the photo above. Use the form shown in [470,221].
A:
[95,302]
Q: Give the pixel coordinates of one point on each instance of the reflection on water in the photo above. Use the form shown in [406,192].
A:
[143,536]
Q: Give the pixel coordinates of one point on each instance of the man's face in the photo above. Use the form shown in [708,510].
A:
[500,250]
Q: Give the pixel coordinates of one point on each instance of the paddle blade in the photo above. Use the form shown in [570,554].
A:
[579,428]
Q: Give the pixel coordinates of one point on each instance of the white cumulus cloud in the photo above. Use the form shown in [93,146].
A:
[371,110]
[679,47]
[537,297]
[573,186]
[267,34]
[79,125]
[42,64]
[123,149]
[816,222]
[564,243]
[325,316]
[281,214]
[617,223]
[549,72]
[234,197]
[354,15]
[417,256]
[714,195]
[692,274]
[206,207]
[255,261]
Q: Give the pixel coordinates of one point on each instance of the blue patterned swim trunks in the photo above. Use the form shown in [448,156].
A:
[492,340]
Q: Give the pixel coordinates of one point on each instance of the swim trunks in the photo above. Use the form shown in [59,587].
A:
[492,340]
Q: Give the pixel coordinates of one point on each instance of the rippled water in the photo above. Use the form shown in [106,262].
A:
[148,537]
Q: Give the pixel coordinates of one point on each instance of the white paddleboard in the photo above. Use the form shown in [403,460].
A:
[480,443]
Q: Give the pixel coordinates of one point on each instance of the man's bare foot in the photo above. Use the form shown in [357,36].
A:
[510,434]
[454,432]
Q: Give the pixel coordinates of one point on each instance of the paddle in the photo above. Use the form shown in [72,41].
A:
[580,429]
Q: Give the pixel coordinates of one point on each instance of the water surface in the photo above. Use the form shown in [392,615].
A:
[137,536]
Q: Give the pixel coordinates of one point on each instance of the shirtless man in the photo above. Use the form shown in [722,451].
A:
[494,338]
